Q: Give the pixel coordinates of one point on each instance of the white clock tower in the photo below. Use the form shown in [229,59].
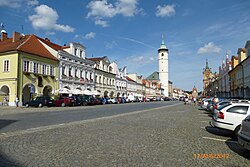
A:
[163,67]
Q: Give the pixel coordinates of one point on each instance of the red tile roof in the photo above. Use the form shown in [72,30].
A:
[96,59]
[129,79]
[28,44]
[52,45]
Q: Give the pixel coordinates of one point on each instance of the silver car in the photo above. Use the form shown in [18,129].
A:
[244,134]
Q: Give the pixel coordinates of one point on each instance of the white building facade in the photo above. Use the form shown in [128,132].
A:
[120,79]
[75,72]
[104,77]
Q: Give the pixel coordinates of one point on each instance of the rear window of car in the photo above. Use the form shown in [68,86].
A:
[223,106]
[238,109]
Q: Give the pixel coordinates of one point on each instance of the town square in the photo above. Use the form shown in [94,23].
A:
[124,83]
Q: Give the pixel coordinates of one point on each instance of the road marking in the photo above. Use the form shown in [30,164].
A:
[223,140]
[49,127]
[210,138]
[204,121]
[203,127]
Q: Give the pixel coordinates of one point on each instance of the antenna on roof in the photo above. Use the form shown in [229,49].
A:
[2,26]
[22,30]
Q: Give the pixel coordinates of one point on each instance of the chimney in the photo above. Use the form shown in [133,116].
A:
[47,39]
[4,36]
[15,37]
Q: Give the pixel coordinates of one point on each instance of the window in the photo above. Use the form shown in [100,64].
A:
[31,68]
[81,53]
[6,66]
[238,109]
[35,68]
[63,70]
[70,71]
[52,70]
[44,69]
[47,69]
[162,54]
[26,66]
[75,52]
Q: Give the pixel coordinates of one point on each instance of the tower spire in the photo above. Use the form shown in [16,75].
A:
[163,46]
[207,64]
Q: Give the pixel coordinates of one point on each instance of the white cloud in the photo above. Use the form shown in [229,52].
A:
[127,7]
[11,3]
[102,23]
[165,10]
[32,2]
[90,35]
[141,60]
[110,45]
[46,18]
[100,10]
[209,48]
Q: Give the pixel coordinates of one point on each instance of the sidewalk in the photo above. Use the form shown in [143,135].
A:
[6,110]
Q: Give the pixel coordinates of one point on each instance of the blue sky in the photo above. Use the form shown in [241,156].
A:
[130,31]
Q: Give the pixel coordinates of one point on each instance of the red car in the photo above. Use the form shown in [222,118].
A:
[64,101]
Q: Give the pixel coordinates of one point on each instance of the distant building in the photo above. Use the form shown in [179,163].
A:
[154,78]
[120,79]
[208,78]
[194,92]
[104,76]
[223,78]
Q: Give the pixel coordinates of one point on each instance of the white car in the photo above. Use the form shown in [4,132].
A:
[230,116]
[205,102]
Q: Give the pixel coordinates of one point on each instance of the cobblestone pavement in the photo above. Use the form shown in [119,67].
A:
[172,136]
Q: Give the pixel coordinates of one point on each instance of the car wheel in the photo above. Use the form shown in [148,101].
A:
[40,105]
[27,105]
[63,105]
[236,131]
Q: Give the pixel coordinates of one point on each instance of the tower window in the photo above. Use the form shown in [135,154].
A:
[162,54]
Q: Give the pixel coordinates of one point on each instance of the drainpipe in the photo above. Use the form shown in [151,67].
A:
[243,81]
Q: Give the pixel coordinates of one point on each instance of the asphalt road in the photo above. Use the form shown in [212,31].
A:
[54,116]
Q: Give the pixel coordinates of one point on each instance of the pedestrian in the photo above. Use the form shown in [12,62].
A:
[194,100]
[17,101]
[5,100]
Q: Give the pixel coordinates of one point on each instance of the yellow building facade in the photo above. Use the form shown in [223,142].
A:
[28,69]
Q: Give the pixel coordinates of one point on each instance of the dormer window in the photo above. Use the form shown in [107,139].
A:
[81,53]
[75,52]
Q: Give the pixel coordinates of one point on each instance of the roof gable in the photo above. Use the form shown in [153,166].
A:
[33,46]
[154,76]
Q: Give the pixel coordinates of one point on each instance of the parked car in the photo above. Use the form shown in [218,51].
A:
[113,100]
[244,134]
[86,99]
[205,102]
[121,100]
[97,101]
[40,102]
[76,99]
[219,104]
[64,101]
[230,116]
